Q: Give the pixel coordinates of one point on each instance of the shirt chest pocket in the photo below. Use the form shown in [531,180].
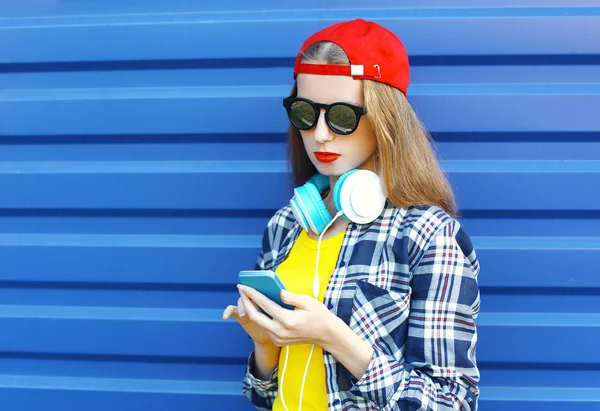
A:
[380,317]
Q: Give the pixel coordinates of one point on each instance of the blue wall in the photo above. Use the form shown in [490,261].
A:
[142,151]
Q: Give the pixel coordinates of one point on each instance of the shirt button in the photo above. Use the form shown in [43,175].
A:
[342,264]
[330,306]
[336,402]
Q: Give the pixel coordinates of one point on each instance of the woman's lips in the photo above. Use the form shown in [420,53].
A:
[325,157]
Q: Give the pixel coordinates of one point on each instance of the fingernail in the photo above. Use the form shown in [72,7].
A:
[284,293]
[242,312]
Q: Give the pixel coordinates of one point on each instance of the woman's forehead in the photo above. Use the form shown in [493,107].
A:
[329,89]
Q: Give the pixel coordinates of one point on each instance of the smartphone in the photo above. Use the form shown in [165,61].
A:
[265,282]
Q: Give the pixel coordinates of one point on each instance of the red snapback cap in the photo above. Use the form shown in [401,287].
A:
[375,53]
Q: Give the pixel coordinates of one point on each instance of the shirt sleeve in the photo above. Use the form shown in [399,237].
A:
[437,370]
[261,393]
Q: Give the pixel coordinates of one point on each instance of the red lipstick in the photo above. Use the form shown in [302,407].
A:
[326,157]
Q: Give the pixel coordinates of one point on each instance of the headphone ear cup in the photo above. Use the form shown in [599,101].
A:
[309,209]
[359,196]
[338,188]
[298,214]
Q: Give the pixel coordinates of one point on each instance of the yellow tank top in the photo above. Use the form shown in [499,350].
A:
[296,273]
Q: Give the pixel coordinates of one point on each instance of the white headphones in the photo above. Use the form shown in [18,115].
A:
[357,194]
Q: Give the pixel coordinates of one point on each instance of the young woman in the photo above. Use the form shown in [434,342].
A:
[382,276]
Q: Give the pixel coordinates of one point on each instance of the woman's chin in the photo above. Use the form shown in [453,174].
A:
[330,169]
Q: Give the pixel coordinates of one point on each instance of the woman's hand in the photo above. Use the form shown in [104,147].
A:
[266,353]
[239,313]
[309,323]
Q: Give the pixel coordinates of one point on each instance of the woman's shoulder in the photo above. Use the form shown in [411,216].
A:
[279,226]
[280,223]
[417,227]
[421,221]
[282,218]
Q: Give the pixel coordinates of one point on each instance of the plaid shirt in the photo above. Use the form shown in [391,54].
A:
[407,284]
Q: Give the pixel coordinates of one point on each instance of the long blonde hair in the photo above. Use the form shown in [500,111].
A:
[404,158]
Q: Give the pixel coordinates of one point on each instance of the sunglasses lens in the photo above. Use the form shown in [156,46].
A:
[342,119]
[302,115]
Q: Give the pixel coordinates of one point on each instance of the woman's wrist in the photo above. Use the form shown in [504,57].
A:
[332,334]
[266,358]
[329,335]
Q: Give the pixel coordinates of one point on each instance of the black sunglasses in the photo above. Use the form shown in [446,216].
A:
[342,118]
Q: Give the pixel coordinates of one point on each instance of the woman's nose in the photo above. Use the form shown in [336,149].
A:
[322,132]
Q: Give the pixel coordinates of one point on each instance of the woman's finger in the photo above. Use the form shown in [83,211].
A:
[229,312]
[269,306]
[240,308]
[255,315]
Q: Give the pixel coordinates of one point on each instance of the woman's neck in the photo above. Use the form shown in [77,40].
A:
[338,225]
